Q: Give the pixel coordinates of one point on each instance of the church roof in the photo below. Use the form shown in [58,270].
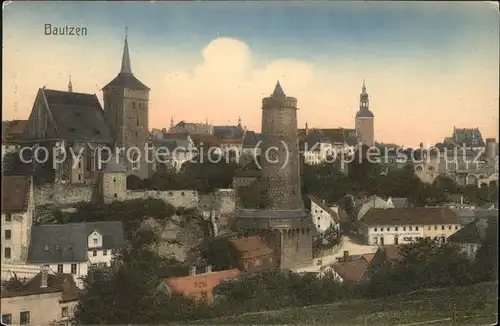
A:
[77,116]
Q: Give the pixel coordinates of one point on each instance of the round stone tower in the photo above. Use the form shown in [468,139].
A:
[490,152]
[285,224]
[279,154]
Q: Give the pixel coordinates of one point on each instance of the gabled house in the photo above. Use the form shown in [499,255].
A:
[253,254]
[18,206]
[404,225]
[74,248]
[351,269]
[172,150]
[43,300]
[252,143]
[470,237]
[323,216]
[198,286]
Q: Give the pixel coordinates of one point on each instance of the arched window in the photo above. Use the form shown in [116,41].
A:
[135,162]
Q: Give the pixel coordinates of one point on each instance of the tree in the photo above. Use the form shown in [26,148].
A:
[486,260]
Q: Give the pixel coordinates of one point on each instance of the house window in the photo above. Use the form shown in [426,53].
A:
[136,134]
[456,227]
[137,121]
[114,179]
[375,240]
[101,264]
[411,228]
[94,253]
[79,177]
[396,228]
[8,217]
[429,228]
[80,165]
[7,253]
[375,229]
[115,196]
[182,193]
[435,227]
[442,227]
[256,262]
[416,228]
[73,268]
[24,317]
[64,312]
[8,234]
[60,268]
[135,161]
[449,227]
[388,229]
[133,105]
[104,252]
[404,228]
[7,319]
[95,240]
[381,229]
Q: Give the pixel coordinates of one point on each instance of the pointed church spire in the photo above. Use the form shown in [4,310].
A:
[126,68]
[171,121]
[239,122]
[364,87]
[70,85]
[278,91]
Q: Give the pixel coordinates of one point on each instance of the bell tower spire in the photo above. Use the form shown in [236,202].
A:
[126,67]
[70,85]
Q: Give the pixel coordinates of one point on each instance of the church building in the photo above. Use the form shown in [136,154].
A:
[77,121]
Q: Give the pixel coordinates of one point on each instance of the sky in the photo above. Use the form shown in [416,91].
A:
[428,66]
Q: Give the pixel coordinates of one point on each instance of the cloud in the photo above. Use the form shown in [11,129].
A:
[226,84]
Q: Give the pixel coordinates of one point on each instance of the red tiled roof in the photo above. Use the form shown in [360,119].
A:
[368,257]
[15,193]
[410,216]
[251,247]
[197,284]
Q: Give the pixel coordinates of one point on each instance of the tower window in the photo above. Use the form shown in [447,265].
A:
[133,105]
[137,121]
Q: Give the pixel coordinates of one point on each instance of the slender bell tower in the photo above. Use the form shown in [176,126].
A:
[364,120]
[284,223]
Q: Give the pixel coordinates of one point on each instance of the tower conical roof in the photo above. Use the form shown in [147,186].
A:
[114,167]
[278,90]
[126,67]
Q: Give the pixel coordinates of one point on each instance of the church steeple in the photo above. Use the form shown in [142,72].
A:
[70,85]
[126,67]
[239,122]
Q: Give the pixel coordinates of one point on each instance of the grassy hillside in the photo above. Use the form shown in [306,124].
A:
[421,306]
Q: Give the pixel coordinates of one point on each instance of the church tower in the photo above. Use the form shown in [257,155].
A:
[364,120]
[126,108]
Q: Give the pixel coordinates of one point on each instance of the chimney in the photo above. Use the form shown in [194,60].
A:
[346,256]
[192,271]
[208,269]
[44,270]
